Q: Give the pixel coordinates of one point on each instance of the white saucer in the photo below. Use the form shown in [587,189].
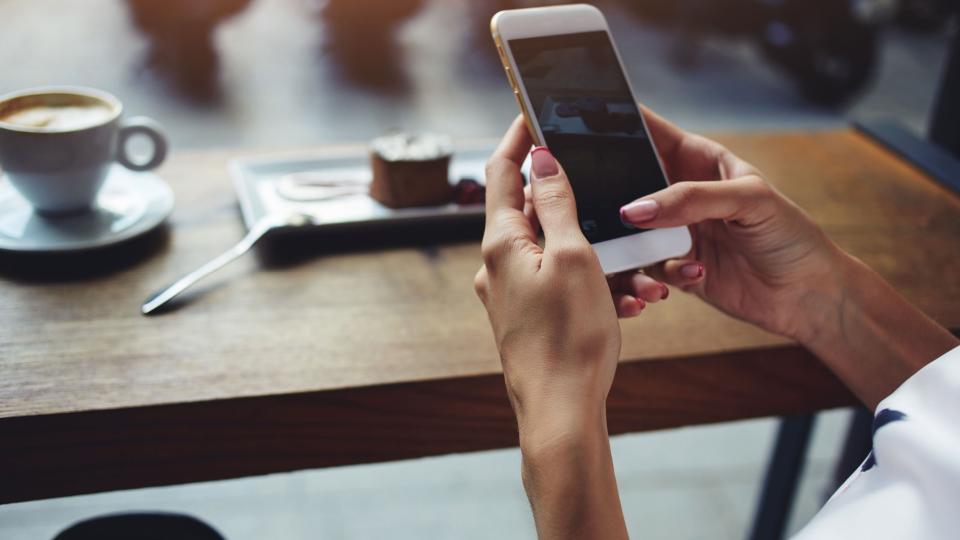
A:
[129,204]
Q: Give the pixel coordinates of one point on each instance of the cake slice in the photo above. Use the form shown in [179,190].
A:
[411,170]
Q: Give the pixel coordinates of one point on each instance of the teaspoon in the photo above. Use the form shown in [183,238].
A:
[259,229]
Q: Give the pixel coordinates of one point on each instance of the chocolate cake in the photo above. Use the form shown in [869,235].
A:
[411,170]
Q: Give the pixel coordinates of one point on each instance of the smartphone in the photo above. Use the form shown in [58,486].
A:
[577,101]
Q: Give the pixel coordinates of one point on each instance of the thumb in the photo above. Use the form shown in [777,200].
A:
[552,198]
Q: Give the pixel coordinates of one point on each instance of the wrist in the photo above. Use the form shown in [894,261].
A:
[568,475]
[561,448]
[821,305]
[557,408]
[869,335]
[546,435]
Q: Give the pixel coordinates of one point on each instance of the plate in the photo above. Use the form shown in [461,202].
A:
[129,204]
[333,190]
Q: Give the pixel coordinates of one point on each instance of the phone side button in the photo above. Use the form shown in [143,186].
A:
[526,116]
[513,82]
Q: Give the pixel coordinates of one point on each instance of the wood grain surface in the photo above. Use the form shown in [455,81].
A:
[326,350]
[66,454]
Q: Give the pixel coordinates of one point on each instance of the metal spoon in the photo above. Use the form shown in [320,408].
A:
[259,229]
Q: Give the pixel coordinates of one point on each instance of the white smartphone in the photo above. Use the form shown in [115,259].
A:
[570,84]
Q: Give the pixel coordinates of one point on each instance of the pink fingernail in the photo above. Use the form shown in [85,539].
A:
[691,271]
[640,211]
[543,163]
[666,292]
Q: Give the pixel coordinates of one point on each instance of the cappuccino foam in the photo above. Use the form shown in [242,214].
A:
[59,117]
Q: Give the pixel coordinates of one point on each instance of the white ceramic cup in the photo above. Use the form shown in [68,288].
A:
[60,171]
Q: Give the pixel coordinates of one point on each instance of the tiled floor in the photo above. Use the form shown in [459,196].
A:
[280,87]
[692,483]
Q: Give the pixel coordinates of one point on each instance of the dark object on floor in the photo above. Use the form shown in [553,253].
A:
[140,526]
[940,155]
[945,117]
[828,48]
[925,15]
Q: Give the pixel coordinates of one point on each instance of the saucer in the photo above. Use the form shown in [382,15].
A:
[129,204]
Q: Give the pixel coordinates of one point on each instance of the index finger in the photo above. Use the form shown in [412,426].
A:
[504,182]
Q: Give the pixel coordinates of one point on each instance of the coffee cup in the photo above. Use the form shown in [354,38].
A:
[57,145]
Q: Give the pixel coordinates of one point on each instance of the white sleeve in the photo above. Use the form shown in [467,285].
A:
[909,486]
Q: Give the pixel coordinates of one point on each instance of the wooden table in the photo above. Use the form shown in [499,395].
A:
[317,354]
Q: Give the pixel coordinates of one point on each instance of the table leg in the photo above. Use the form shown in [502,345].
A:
[782,477]
[856,446]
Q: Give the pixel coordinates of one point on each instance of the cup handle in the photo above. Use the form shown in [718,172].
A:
[141,125]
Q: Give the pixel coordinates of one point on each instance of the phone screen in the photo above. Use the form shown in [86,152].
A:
[591,124]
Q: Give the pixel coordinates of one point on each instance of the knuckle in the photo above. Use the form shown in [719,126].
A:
[732,165]
[494,167]
[480,283]
[496,246]
[489,167]
[757,187]
[725,155]
[553,198]
[687,193]
[488,252]
[574,255]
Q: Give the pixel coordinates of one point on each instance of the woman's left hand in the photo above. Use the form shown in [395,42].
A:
[550,307]
[556,328]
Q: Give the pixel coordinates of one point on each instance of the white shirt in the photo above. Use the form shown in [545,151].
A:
[909,487]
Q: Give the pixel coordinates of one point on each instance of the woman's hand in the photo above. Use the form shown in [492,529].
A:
[756,255]
[759,257]
[559,340]
[553,320]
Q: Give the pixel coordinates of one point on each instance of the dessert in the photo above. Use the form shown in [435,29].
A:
[411,170]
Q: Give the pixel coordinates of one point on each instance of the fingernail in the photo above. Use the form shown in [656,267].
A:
[666,292]
[691,271]
[543,163]
[640,211]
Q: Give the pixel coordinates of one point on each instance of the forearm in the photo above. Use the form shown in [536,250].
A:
[569,478]
[870,336]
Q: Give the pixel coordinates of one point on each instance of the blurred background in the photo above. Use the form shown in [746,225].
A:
[268,74]
[272,73]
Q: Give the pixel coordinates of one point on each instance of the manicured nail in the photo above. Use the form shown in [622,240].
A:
[666,292]
[543,163]
[640,211]
[691,271]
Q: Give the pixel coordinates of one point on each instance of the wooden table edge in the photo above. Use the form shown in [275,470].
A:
[74,453]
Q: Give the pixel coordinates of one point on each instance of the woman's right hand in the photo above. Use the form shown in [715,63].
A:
[756,255]
[759,257]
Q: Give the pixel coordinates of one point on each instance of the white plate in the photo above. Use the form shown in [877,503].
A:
[128,205]
[263,187]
